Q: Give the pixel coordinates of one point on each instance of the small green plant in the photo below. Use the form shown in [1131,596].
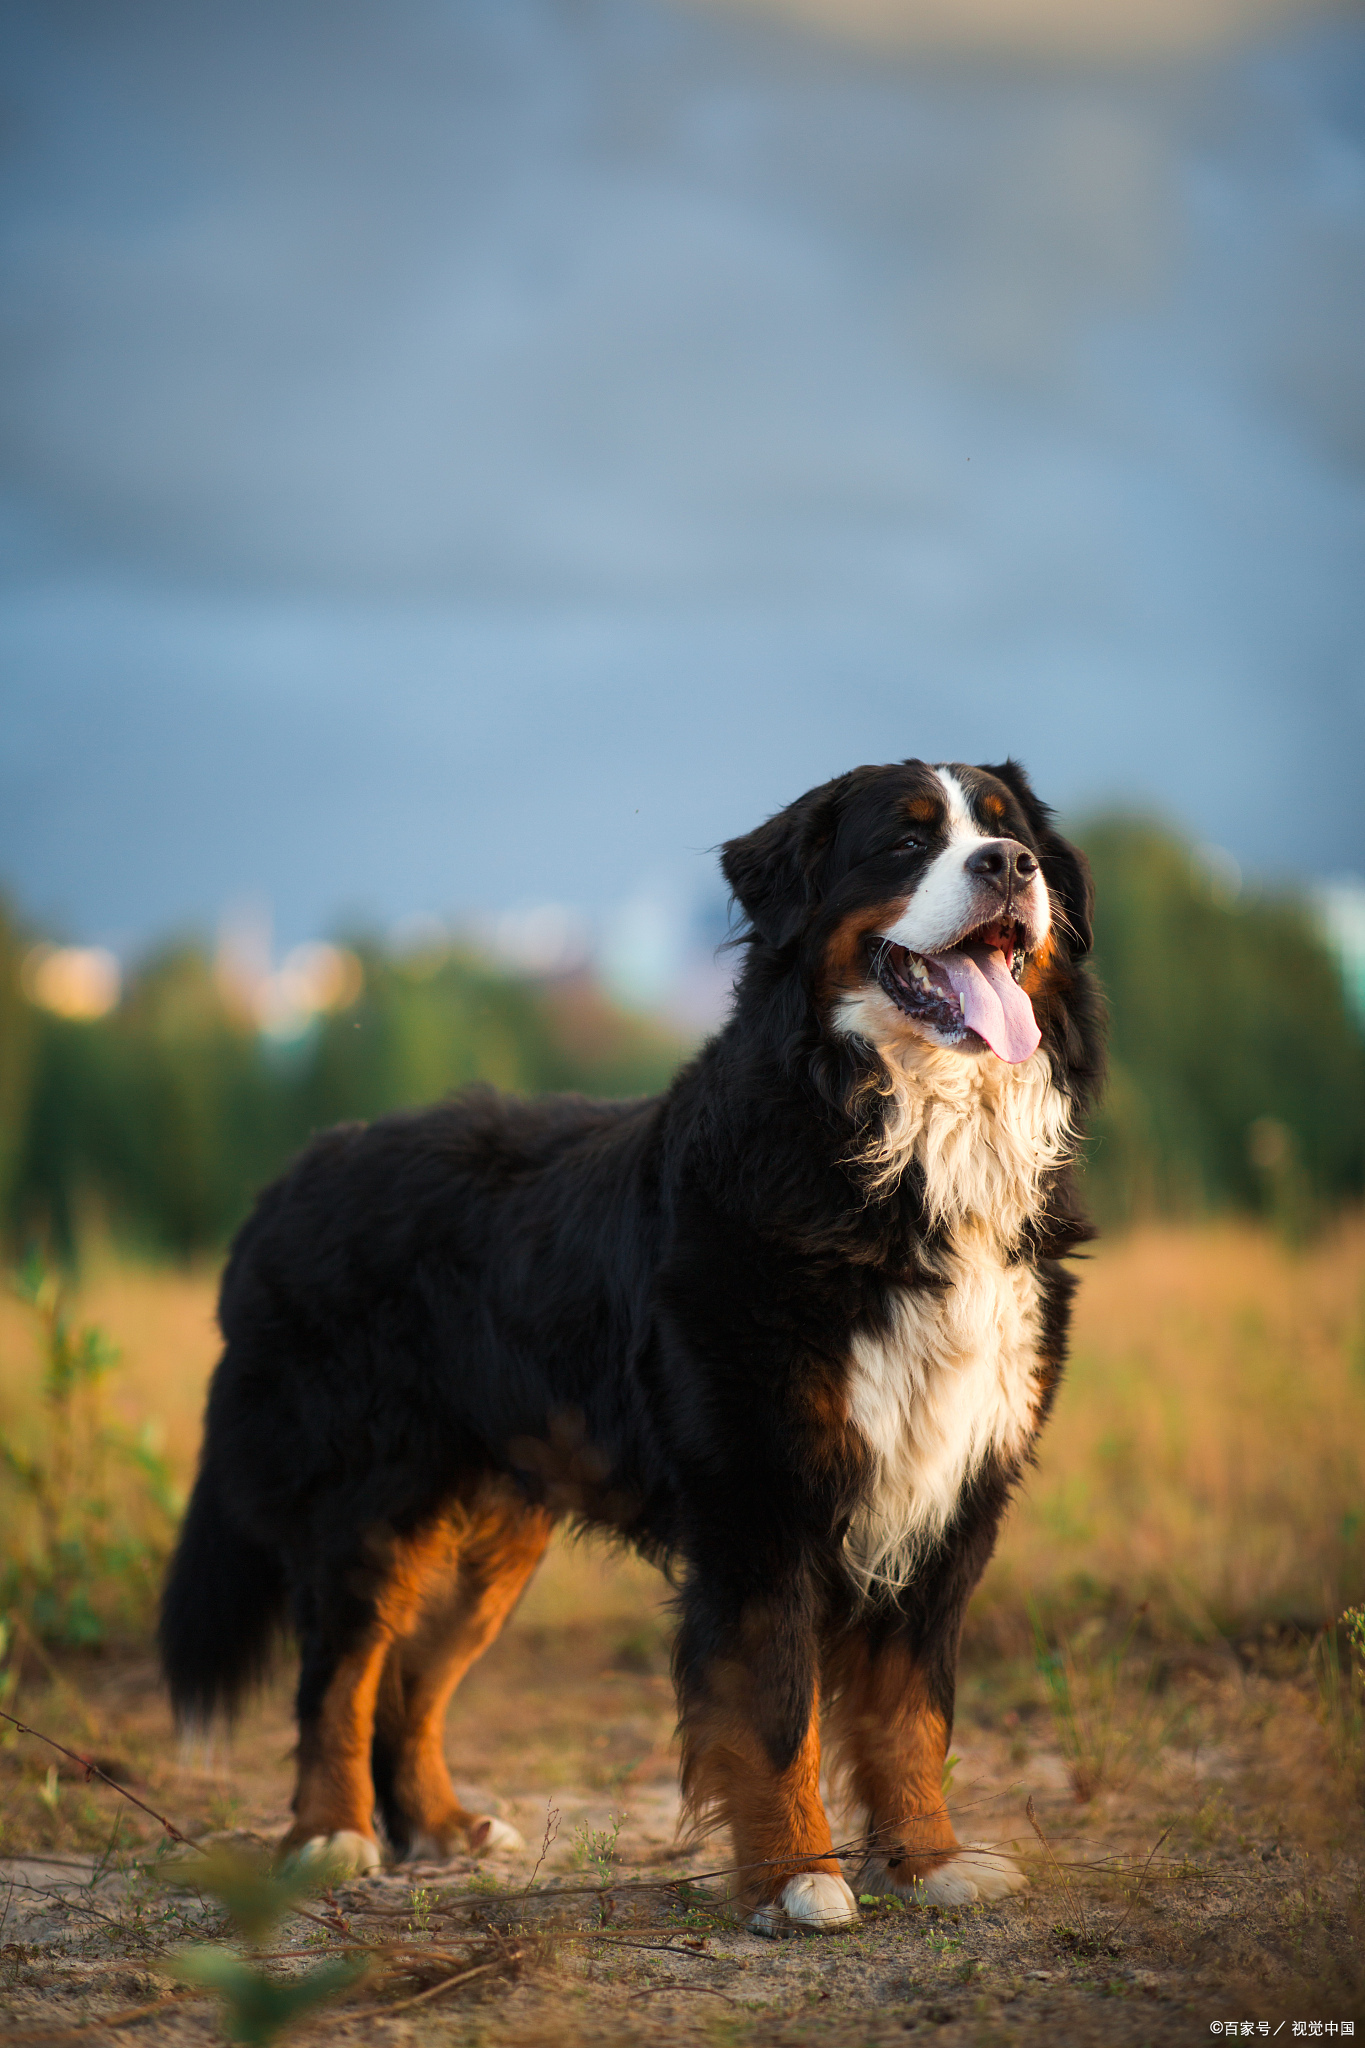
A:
[420,1901]
[1353,1621]
[1211,1821]
[950,1764]
[224,1810]
[92,1506]
[1341,1681]
[698,1908]
[256,2006]
[595,1848]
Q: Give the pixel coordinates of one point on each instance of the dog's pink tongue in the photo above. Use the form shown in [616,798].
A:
[993,1004]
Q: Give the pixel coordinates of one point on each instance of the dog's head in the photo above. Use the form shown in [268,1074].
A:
[929,901]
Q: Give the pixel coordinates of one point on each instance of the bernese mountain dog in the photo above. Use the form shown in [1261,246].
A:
[790,1328]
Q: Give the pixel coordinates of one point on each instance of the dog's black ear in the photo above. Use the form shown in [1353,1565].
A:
[1065,868]
[774,872]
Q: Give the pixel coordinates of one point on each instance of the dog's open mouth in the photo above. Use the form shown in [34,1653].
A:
[972,986]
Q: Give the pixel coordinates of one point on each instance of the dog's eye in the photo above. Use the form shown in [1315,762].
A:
[912,843]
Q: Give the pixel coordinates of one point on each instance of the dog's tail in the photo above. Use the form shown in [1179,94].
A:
[221,1609]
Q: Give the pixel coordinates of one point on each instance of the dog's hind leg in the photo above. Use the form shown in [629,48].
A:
[469,1591]
[350,1613]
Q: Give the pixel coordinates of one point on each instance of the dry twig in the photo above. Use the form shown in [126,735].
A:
[1141,1882]
[92,1770]
[446,1984]
[1073,1898]
[547,1843]
[703,1990]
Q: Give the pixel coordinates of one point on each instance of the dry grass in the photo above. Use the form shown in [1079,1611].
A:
[161,1318]
[1207,1452]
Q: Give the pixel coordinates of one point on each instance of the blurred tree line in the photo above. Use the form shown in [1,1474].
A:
[1237,1070]
[159,1122]
[1237,1067]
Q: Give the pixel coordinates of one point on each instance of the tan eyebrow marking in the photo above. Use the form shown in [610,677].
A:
[995,805]
[922,809]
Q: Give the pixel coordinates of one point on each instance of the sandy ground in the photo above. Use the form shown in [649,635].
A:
[1220,1878]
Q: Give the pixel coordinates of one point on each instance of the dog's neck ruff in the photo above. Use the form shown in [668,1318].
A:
[948,1376]
[983,1133]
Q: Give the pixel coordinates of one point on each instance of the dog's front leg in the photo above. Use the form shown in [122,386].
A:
[746,1665]
[891,1722]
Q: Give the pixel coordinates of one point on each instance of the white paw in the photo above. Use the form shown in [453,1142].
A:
[486,1834]
[994,1875]
[974,1874]
[811,1903]
[949,1885]
[345,1854]
[426,1849]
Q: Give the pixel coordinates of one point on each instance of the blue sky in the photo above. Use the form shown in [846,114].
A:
[461,455]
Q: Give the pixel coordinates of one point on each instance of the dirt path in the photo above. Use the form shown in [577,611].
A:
[1249,1910]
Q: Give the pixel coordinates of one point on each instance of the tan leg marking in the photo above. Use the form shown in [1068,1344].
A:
[334,1799]
[466,1596]
[467,1567]
[786,1869]
[892,1744]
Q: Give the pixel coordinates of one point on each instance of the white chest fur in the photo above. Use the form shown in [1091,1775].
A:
[951,1377]
[949,1381]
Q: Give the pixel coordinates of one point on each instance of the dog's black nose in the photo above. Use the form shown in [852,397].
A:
[1004,861]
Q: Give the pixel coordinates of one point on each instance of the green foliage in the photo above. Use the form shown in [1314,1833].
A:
[1341,1683]
[256,2006]
[255,1894]
[1237,1070]
[595,1848]
[89,1509]
[1353,1621]
[18,1027]
[162,1120]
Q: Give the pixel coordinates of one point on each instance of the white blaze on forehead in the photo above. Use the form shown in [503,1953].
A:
[961,823]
